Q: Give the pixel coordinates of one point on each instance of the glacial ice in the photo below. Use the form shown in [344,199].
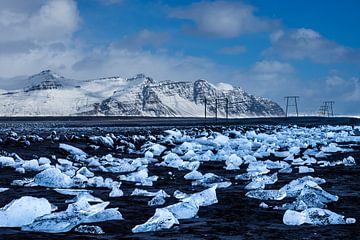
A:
[7,162]
[53,177]
[3,189]
[74,151]
[314,216]
[210,180]
[162,219]
[76,213]
[23,211]
[266,194]
[206,197]
[183,210]
[259,182]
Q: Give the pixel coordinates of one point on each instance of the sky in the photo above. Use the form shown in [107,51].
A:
[270,48]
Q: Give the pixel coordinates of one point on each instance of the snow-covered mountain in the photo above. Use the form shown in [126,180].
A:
[48,93]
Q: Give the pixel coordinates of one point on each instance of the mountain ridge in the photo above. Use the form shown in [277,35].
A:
[52,94]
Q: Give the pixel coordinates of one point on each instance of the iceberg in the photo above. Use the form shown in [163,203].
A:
[162,219]
[23,211]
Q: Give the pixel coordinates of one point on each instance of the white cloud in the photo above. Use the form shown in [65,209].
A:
[223,18]
[55,20]
[305,43]
[234,50]
[272,67]
[143,38]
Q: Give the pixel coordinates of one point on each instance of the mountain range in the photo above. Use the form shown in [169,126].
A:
[49,94]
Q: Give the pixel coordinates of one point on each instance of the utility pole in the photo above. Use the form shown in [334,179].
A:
[227,108]
[330,109]
[216,109]
[291,101]
[205,104]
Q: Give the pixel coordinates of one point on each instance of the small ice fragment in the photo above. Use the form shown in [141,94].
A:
[263,205]
[162,219]
[349,161]
[180,195]
[7,162]
[90,229]
[304,169]
[350,220]
[193,175]
[116,191]
[86,172]
[203,198]
[157,201]
[72,150]
[3,189]
[266,194]
[293,218]
[183,210]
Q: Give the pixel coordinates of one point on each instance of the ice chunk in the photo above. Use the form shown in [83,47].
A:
[157,201]
[7,162]
[294,188]
[180,195]
[89,229]
[203,198]
[263,205]
[233,162]
[266,194]
[193,175]
[106,141]
[53,177]
[162,219]
[304,169]
[183,210]
[75,214]
[31,165]
[311,197]
[331,148]
[157,149]
[259,182]
[86,172]
[314,216]
[23,211]
[72,150]
[211,179]
[349,161]
[140,176]
[116,191]
[257,166]
[3,189]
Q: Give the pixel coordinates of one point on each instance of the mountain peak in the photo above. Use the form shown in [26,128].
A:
[141,77]
[46,75]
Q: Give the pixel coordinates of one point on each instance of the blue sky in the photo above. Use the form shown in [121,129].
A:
[270,48]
